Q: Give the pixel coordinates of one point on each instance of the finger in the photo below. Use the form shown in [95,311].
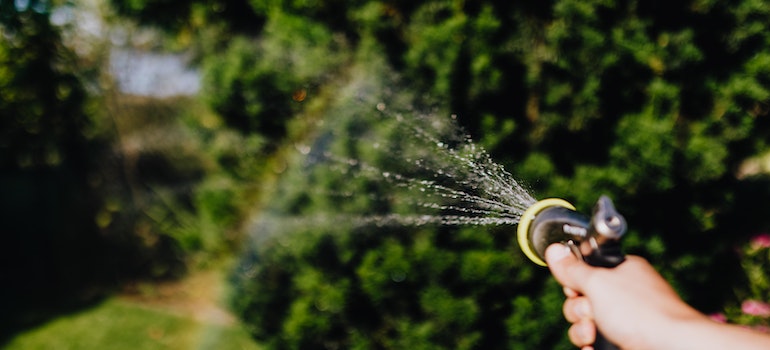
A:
[582,333]
[566,268]
[570,293]
[577,309]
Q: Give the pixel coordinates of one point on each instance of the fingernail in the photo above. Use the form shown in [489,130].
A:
[556,253]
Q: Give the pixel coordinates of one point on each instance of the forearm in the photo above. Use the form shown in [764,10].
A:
[705,334]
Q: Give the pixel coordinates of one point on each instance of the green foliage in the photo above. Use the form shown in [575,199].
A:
[647,155]
[435,35]
[751,308]
[257,86]
[42,100]
[189,184]
[655,108]
[327,281]
[657,105]
[46,144]
[186,17]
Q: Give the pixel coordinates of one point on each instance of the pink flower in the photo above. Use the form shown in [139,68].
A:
[719,317]
[761,240]
[755,308]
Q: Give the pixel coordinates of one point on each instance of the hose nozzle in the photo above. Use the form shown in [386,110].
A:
[596,239]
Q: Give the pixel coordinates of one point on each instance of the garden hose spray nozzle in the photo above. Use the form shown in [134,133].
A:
[595,239]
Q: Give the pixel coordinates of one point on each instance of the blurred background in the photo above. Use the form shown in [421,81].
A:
[150,151]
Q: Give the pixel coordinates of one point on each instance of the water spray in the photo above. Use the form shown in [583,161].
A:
[594,239]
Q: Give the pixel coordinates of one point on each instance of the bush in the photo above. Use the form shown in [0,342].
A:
[649,103]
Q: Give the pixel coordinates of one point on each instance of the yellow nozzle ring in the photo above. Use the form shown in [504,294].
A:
[522,232]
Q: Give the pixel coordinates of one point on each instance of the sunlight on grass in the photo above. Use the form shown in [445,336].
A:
[117,324]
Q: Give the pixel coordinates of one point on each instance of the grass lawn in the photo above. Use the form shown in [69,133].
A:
[181,315]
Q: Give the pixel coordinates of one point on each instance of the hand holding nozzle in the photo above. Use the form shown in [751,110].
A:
[596,239]
[631,303]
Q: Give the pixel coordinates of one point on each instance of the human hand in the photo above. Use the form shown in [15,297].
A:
[633,305]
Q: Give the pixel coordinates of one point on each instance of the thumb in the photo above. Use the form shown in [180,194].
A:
[570,271]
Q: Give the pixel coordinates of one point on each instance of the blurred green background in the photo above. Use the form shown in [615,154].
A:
[148,146]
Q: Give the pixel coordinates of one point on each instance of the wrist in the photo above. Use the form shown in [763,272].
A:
[673,329]
[689,332]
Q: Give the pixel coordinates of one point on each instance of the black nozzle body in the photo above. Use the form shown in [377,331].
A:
[596,238]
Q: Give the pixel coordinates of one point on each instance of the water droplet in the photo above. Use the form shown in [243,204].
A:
[457,185]
[304,149]
[398,276]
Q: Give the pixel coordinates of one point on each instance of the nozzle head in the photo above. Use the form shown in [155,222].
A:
[556,221]
[523,232]
[557,225]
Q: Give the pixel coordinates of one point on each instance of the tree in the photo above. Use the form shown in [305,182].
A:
[45,168]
